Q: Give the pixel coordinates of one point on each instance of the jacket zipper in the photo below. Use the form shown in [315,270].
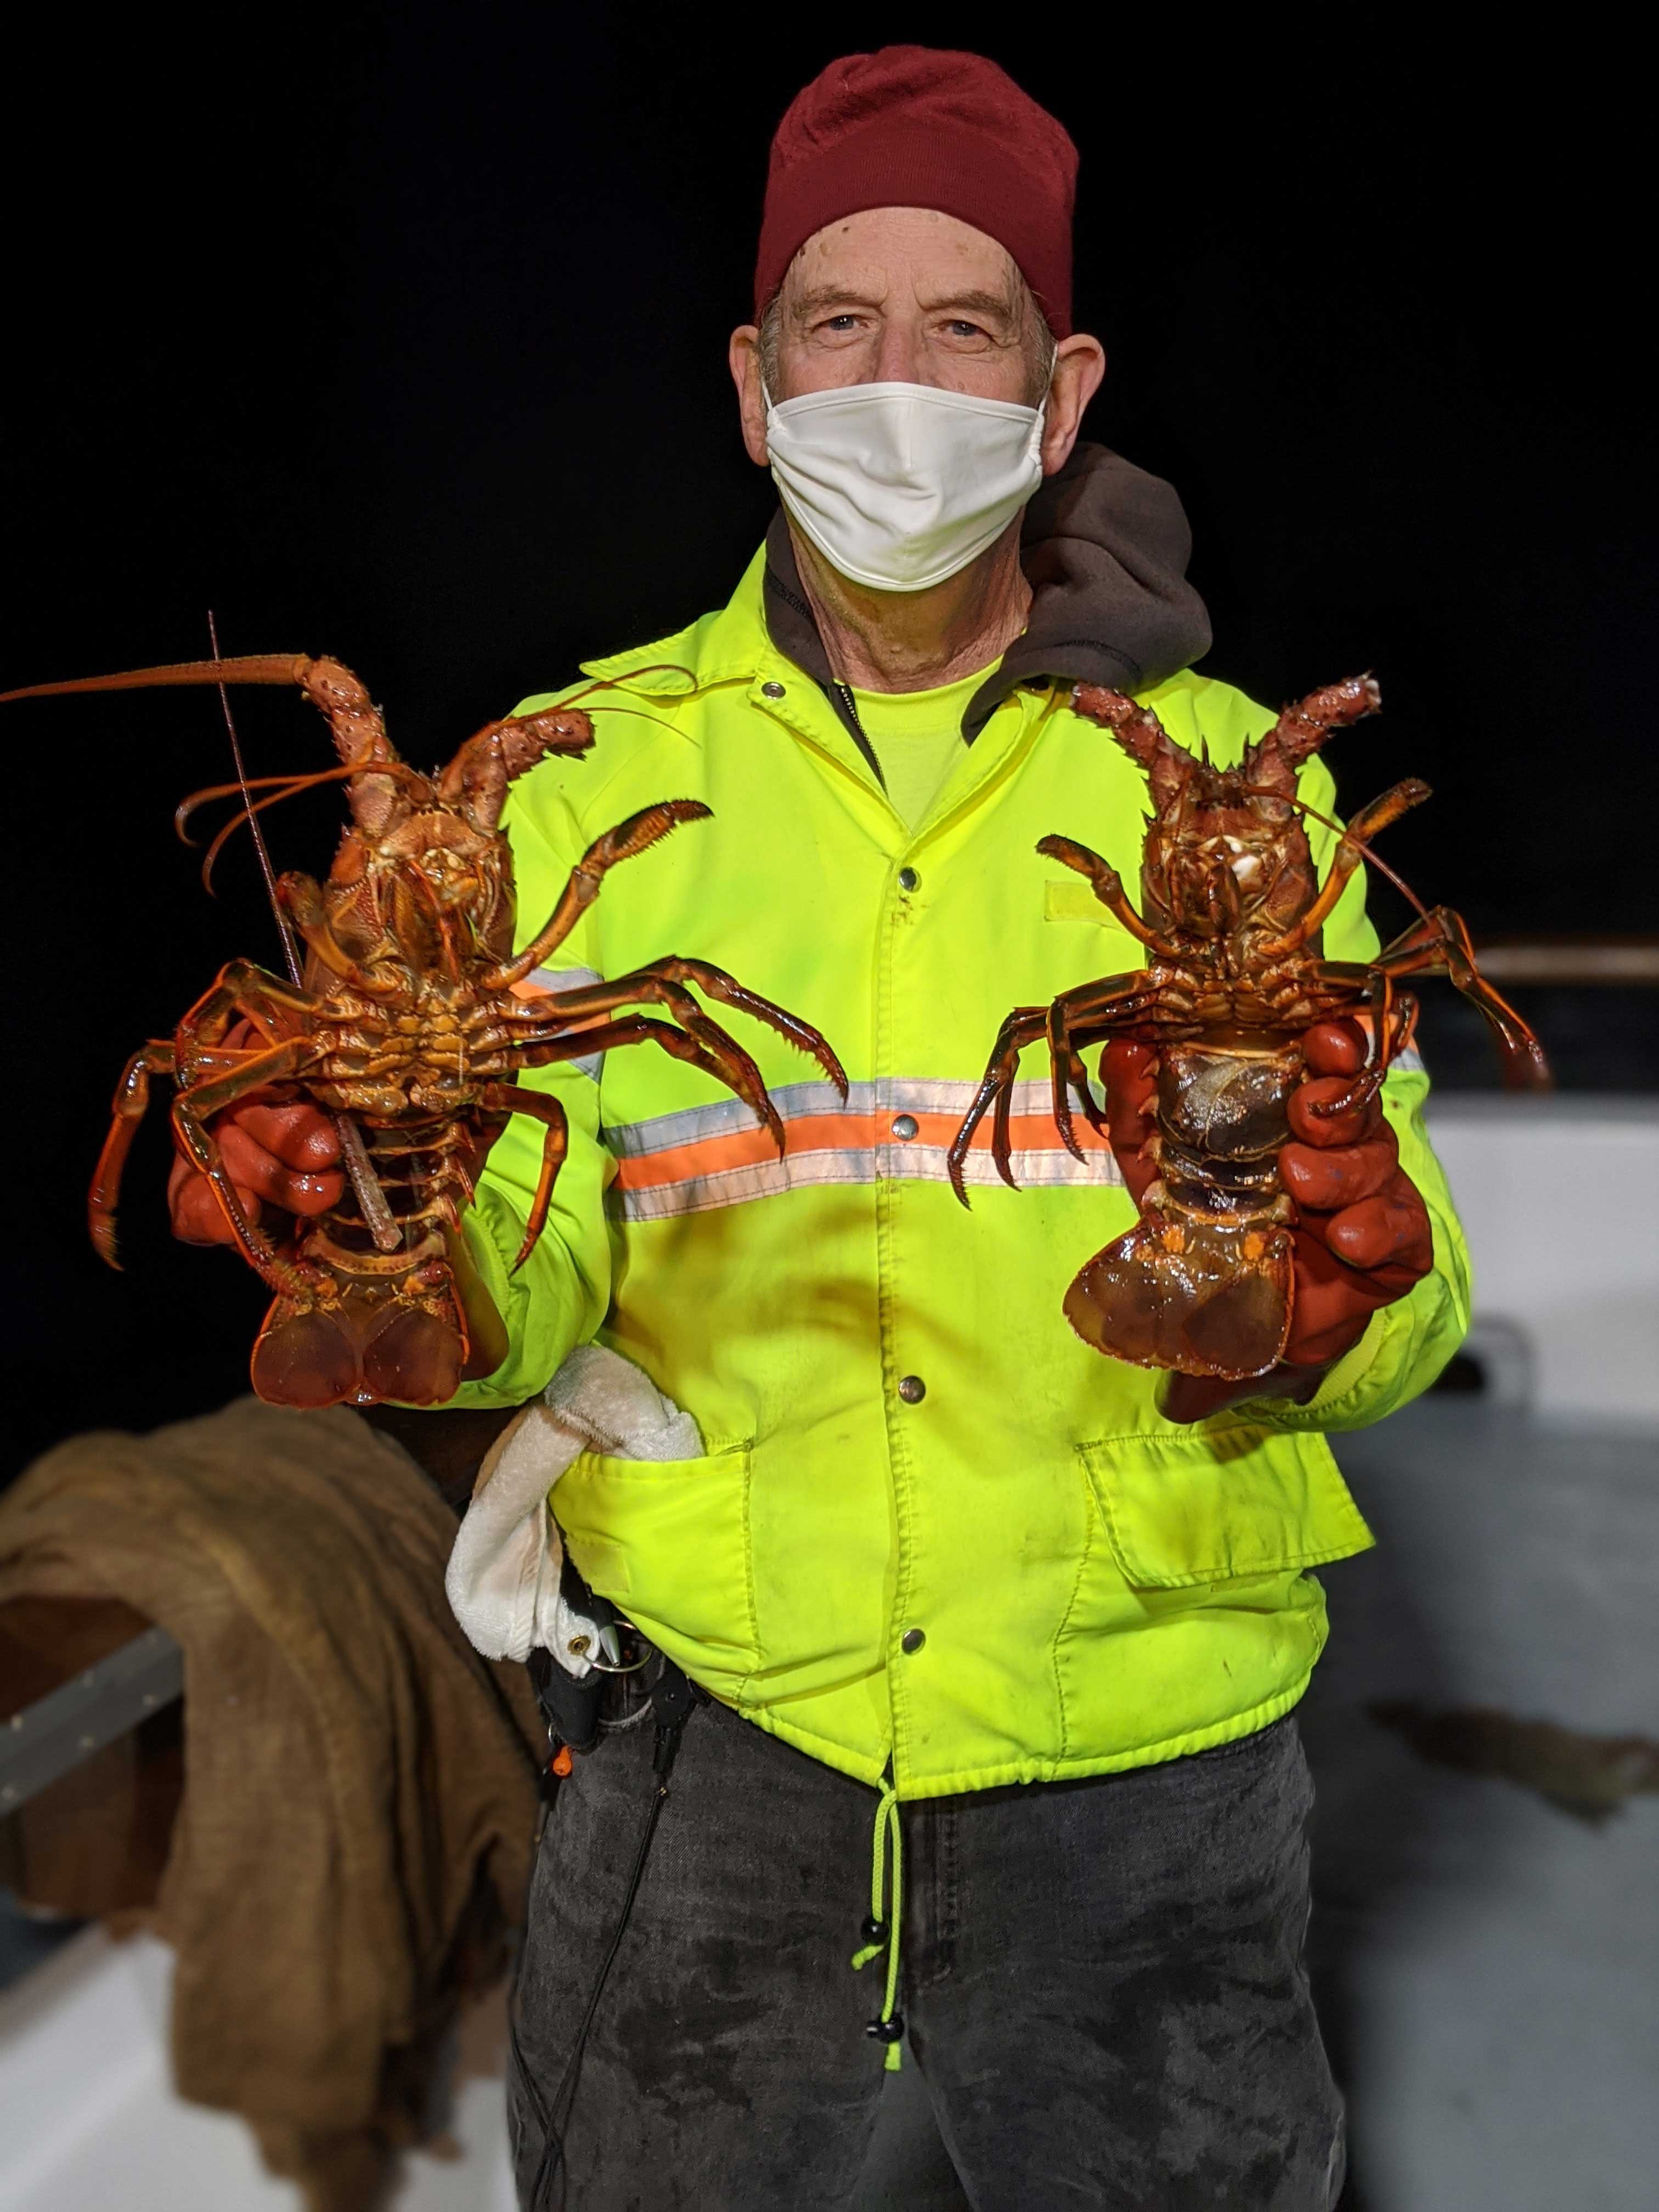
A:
[849,716]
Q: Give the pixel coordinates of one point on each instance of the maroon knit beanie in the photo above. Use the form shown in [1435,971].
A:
[912,126]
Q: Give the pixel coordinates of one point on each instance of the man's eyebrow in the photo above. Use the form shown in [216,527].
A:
[831,295]
[975,300]
[978,302]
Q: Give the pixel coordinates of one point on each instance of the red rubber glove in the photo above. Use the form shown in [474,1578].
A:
[1362,1236]
[285,1156]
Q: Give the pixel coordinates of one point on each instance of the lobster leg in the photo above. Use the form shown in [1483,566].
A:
[1108,886]
[1388,1026]
[130,1103]
[243,987]
[724,1057]
[1440,940]
[191,1111]
[1022,1027]
[645,983]
[628,839]
[739,1068]
[1066,1074]
[1365,826]
[1103,1007]
[1108,1004]
[514,1098]
[725,1060]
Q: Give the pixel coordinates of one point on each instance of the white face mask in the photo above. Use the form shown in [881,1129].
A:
[899,485]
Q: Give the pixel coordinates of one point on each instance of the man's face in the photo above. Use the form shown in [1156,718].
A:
[906,295]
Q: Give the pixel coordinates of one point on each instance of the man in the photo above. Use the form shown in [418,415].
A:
[951,1579]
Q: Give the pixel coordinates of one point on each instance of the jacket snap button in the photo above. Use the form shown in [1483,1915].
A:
[912,1389]
[908,880]
[913,1639]
[904,1127]
[771,691]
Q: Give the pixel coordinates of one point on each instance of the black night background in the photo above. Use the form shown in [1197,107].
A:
[400,336]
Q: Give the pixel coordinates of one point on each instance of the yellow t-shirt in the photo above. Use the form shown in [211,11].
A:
[916,736]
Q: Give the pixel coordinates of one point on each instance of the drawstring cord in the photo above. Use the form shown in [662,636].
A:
[883,1935]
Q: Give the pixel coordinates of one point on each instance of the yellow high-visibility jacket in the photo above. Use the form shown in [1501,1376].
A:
[1019,1572]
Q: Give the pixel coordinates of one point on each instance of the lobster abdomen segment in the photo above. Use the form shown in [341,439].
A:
[1203,1281]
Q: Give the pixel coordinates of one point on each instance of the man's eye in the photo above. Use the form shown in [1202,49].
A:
[839,325]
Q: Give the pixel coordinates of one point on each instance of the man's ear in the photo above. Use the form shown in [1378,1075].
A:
[1079,371]
[743,356]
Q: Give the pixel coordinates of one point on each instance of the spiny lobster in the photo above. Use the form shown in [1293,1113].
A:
[407,1025]
[1230,917]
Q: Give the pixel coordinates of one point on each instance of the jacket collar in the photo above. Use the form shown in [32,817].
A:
[1105,547]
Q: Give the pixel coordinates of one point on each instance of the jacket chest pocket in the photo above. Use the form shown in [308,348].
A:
[1242,1503]
[1108,949]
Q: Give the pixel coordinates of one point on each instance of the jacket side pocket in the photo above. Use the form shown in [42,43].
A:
[667,1540]
[1176,1512]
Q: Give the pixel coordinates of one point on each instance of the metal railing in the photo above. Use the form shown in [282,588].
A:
[47,1739]
[1607,962]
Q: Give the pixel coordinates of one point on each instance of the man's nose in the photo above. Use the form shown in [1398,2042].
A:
[899,357]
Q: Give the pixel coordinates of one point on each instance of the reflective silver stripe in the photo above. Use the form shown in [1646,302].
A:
[802,1101]
[572,979]
[833,1159]
[564,979]
[894,1163]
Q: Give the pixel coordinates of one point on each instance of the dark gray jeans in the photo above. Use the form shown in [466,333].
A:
[1103,1990]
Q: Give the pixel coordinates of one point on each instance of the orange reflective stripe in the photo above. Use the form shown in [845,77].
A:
[714,1156]
[850,1133]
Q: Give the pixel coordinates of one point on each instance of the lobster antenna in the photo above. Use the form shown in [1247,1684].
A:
[353,1153]
[290,950]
